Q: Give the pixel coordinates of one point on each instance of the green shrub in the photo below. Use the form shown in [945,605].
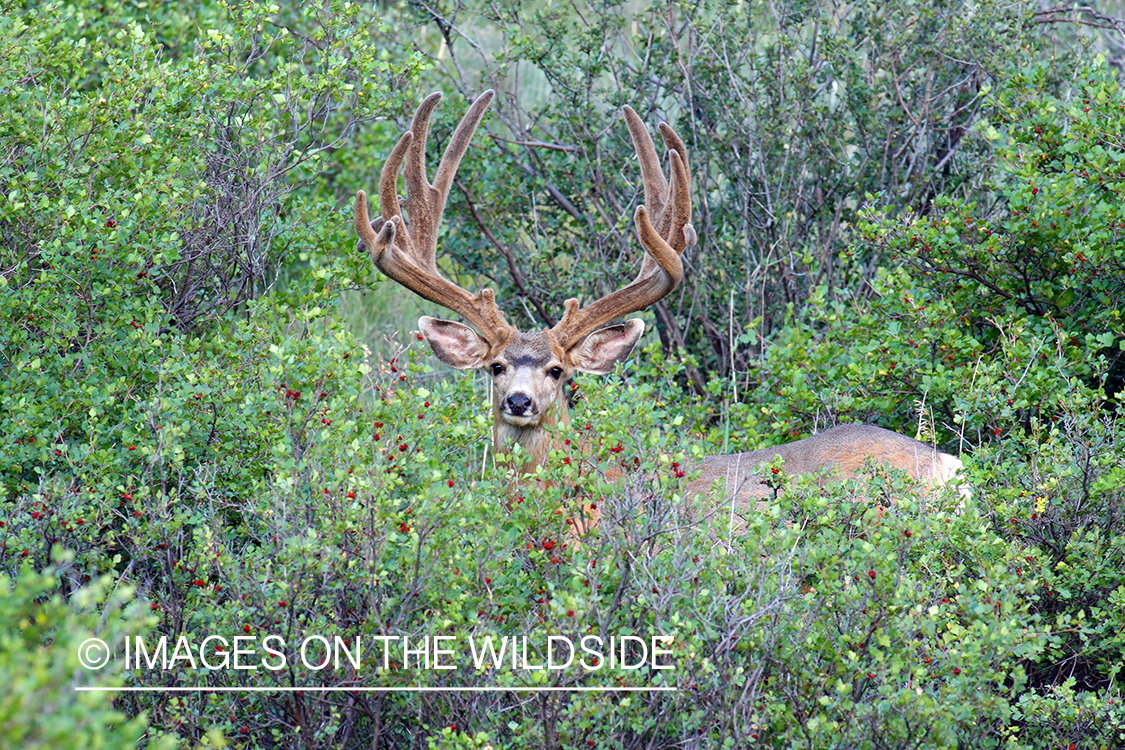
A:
[40,636]
[1000,334]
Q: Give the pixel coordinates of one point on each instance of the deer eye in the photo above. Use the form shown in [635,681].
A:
[496,368]
[555,372]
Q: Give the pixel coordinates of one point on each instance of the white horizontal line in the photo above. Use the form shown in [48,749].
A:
[551,689]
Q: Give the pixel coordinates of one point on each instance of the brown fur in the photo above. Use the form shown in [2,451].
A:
[844,448]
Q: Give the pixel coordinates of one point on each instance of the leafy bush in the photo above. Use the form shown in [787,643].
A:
[1001,332]
[40,635]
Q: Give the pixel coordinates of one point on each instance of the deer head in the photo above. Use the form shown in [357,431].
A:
[528,369]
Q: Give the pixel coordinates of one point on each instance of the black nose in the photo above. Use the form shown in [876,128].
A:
[517,404]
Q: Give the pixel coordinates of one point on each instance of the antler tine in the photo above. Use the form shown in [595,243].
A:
[656,188]
[388,188]
[459,144]
[662,270]
[680,215]
[415,171]
[409,257]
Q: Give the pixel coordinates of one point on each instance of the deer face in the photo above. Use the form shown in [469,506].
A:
[529,369]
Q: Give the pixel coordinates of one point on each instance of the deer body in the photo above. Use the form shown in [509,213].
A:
[844,448]
[529,369]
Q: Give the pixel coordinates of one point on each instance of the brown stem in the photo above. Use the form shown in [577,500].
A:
[677,344]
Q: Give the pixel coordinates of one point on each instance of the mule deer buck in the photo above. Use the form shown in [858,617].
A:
[529,369]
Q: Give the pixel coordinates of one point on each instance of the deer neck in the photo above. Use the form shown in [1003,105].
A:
[535,441]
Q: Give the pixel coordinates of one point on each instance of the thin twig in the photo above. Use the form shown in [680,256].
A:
[538,144]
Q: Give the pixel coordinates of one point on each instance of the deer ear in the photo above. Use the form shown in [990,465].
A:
[455,344]
[605,347]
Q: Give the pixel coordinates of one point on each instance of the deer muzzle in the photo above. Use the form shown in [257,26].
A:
[518,409]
